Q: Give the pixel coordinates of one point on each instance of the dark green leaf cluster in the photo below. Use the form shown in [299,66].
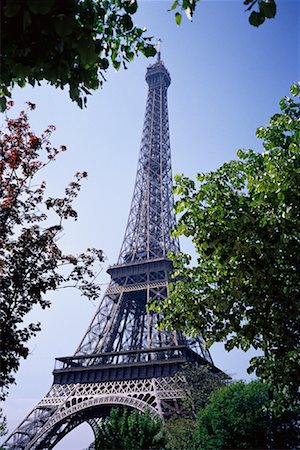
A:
[73,42]
[67,43]
[266,10]
[235,418]
[31,261]
[244,221]
[127,430]
[238,416]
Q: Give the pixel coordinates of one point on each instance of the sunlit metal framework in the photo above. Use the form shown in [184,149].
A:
[124,358]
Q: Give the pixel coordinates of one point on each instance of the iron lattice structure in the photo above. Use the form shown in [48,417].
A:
[123,358]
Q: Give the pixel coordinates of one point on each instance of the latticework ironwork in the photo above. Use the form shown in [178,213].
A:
[66,406]
[124,358]
[151,217]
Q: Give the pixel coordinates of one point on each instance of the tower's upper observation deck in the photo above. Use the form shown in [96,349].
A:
[157,75]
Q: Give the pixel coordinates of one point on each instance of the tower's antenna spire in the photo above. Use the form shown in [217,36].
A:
[158,48]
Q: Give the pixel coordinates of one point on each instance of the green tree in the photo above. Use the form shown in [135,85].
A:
[202,383]
[180,433]
[125,430]
[244,222]
[73,42]
[31,261]
[235,418]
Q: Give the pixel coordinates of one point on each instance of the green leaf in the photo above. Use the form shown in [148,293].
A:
[104,63]
[117,64]
[2,104]
[130,55]
[87,51]
[79,102]
[256,18]
[127,22]
[40,6]
[174,6]
[295,89]
[281,196]
[178,18]
[149,51]
[11,8]
[130,6]
[64,25]
[268,8]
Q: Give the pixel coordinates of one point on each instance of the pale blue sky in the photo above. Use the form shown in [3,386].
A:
[227,79]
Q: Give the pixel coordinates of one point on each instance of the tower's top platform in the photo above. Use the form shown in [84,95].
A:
[157,73]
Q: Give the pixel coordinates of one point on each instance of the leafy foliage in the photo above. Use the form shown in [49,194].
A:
[31,262]
[244,222]
[73,42]
[70,42]
[129,431]
[3,427]
[235,418]
[202,383]
[266,9]
[180,433]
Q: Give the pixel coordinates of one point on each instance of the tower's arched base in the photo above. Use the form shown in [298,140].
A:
[67,405]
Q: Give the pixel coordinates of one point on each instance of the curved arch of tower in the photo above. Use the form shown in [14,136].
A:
[123,358]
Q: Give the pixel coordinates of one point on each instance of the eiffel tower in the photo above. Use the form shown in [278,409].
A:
[124,358]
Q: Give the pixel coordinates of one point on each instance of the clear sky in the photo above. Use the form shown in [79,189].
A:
[227,79]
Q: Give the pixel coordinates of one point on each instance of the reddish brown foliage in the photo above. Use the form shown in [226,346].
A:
[31,262]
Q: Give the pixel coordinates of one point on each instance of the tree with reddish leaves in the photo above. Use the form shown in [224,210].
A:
[31,261]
